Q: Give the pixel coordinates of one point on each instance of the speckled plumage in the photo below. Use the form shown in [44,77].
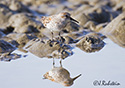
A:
[57,22]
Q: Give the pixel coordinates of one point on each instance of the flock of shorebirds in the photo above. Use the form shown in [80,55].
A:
[57,23]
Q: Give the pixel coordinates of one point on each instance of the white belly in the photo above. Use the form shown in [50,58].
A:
[56,25]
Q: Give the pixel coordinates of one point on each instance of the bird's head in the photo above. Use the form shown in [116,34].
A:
[66,15]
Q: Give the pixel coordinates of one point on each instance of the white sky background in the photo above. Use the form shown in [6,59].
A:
[107,64]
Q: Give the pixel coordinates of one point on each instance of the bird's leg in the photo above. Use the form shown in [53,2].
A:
[52,35]
[59,33]
[58,53]
[53,63]
[60,37]
[61,62]
[60,58]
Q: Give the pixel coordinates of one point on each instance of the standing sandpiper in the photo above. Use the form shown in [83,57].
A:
[57,22]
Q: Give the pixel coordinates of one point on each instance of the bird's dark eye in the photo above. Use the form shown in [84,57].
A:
[66,15]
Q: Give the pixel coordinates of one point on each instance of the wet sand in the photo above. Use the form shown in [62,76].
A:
[22,30]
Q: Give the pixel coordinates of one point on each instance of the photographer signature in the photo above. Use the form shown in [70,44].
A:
[105,83]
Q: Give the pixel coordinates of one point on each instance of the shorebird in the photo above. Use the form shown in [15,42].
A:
[57,22]
[60,75]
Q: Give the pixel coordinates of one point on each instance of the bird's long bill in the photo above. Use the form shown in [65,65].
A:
[76,77]
[73,20]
